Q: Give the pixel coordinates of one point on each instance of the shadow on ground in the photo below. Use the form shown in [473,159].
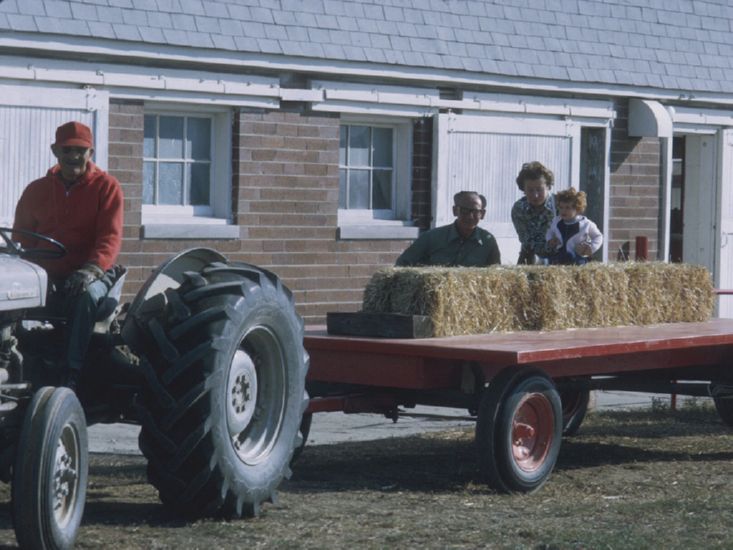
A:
[448,462]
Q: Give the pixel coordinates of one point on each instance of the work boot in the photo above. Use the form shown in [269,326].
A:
[72,380]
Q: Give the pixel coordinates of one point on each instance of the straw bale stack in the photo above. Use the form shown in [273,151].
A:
[670,293]
[458,300]
[572,297]
[479,300]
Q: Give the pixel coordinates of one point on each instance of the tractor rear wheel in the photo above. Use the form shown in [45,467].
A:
[221,416]
[305,430]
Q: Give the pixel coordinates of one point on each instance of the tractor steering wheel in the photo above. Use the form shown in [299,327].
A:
[58,250]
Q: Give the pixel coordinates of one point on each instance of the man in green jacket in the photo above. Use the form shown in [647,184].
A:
[461,243]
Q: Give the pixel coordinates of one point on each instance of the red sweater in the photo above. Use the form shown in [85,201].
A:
[87,219]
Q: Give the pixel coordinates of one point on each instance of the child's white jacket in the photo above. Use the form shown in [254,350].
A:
[588,233]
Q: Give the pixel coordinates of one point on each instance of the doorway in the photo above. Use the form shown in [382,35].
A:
[701,207]
[593,177]
[677,199]
[693,209]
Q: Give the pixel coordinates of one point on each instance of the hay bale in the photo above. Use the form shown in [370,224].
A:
[551,297]
[671,292]
[502,298]
[696,297]
[574,296]
[605,297]
[458,300]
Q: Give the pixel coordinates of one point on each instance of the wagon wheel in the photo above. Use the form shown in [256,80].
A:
[724,406]
[722,394]
[518,431]
[574,408]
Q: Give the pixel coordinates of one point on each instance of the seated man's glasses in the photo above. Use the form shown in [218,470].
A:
[472,211]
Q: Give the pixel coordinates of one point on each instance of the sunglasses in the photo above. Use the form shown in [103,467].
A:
[472,211]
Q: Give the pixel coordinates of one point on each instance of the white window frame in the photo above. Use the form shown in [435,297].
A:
[186,160]
[385,224]
[213,221]
[372,213]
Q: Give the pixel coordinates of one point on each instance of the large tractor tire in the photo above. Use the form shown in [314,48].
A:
[305,430]
[227,366]
[49,484]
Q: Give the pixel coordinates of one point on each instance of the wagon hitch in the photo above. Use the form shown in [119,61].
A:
[379,403]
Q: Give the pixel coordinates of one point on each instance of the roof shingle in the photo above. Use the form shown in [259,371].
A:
[668,43]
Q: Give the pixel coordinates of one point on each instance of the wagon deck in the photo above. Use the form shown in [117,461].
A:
[526,389]
[431,362]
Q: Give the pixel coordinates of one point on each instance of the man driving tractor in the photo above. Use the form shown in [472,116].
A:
[79,205]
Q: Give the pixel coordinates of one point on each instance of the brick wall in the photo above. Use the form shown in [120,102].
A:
[635,190]
[285,201]
[141,256]
[126,164]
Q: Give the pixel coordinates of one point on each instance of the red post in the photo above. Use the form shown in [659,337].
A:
[642,249]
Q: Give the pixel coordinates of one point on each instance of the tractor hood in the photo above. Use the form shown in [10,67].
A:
[22,284]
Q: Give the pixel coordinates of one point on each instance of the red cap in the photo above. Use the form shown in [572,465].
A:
[73,134]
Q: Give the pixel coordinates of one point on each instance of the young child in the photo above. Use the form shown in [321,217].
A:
[572,236]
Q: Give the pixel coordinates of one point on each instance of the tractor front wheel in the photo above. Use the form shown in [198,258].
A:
[50,475]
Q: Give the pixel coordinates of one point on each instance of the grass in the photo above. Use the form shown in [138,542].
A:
[652,479]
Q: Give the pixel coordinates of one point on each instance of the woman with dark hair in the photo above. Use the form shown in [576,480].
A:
[532,214]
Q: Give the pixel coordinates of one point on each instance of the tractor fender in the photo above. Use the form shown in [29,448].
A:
[168,275]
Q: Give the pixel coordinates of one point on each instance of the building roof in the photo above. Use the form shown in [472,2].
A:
[684,45]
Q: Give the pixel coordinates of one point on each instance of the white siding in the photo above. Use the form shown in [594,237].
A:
[489,163]
[485,154]
[699,238]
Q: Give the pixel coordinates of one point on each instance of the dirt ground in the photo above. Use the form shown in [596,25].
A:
[640,479]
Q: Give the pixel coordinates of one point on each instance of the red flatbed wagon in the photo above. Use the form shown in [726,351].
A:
[526,389]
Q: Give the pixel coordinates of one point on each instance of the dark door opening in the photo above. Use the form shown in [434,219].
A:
[677,200]
[592,175]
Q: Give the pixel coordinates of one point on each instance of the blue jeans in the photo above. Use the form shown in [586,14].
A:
[80,312]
